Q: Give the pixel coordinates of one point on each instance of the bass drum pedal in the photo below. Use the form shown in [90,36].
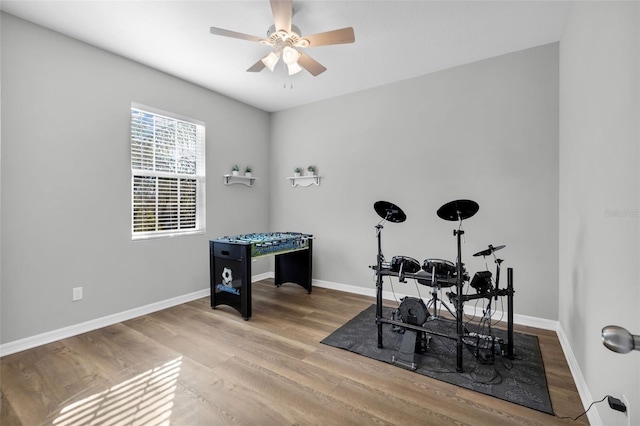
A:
[411,311]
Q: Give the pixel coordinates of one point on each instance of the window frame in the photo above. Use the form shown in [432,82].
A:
[199,176]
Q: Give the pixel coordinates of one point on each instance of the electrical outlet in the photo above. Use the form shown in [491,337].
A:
[628,412]
[77,294]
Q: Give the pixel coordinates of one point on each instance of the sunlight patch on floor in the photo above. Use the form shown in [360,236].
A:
[146,399]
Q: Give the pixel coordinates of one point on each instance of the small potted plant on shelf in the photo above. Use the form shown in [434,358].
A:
[247,171]
[311,170]
[234,170]
[297,171]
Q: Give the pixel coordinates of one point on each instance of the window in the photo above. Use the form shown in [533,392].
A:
[167,174]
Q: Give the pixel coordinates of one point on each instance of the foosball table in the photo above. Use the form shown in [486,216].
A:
[230,265]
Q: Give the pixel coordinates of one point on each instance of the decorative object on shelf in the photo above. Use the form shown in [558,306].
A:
[297,171]
[311,170]
[247,171]
[234,170]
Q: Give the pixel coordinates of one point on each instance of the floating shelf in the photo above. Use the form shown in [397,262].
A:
[245,180]
[304,180]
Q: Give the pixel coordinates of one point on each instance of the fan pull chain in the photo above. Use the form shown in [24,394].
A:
[284,84]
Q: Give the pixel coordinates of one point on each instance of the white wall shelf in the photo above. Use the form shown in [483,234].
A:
[304,180]
[245,180]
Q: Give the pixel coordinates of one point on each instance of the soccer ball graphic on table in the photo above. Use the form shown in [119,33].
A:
[227,277]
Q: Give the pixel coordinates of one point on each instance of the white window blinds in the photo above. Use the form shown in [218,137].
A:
[167,174]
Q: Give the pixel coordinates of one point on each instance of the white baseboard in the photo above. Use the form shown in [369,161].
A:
[524,320]
[74,330]
[583,390]
[469,310]
[261,277]
[346,288]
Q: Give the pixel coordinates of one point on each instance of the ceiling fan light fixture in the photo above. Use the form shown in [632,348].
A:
[271,60]
[294,68]
[285,39]
[290,55]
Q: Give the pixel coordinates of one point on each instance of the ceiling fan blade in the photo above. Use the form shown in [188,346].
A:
[233,34]
[314,67]
[257,67]
[341,36]
[282,11]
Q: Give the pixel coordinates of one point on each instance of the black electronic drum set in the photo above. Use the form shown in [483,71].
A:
[412,313]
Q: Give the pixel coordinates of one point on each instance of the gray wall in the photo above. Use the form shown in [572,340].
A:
[486,131]
[599,193]
[66,202]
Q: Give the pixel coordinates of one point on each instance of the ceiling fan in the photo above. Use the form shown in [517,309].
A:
[287,42]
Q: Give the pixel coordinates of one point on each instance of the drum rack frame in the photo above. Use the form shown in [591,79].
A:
[380,320]
[456,210]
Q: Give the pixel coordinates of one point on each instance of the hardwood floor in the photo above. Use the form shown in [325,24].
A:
[191,365]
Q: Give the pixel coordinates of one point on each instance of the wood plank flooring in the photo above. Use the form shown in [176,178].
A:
[191,365]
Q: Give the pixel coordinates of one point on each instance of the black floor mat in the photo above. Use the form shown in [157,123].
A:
[521,380]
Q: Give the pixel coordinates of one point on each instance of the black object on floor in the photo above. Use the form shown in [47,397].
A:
[520,381]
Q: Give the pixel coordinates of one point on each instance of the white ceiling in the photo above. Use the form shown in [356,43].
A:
[395,39]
